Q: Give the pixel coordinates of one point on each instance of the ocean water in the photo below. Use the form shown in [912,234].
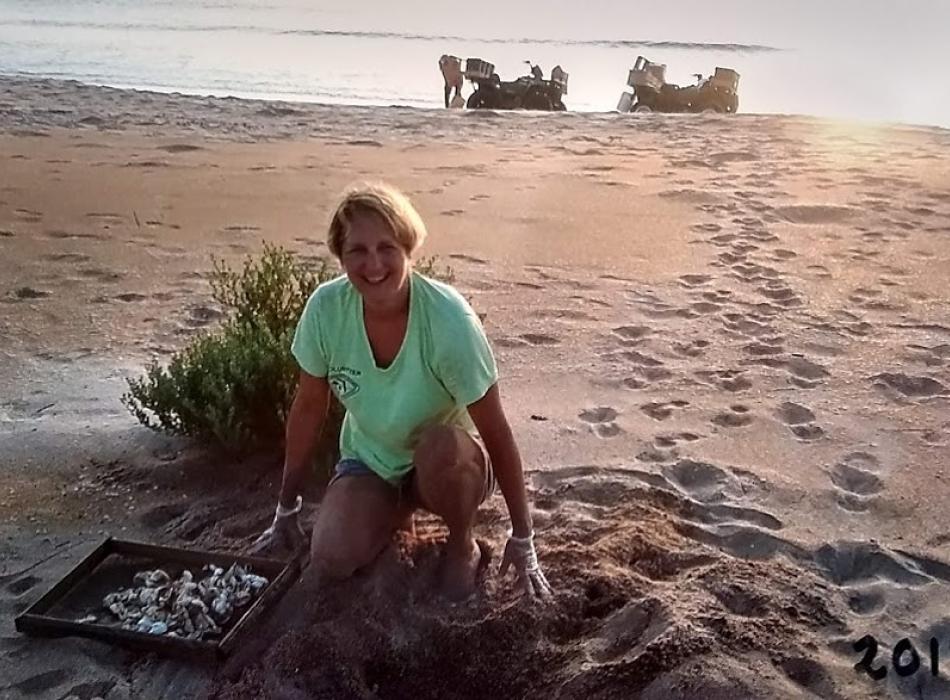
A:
[330,53]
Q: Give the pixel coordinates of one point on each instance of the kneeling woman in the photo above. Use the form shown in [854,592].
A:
[424,427]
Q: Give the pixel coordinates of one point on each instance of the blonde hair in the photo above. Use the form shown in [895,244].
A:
[385,201]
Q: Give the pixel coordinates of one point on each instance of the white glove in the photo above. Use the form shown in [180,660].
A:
[284,533]
[520,553]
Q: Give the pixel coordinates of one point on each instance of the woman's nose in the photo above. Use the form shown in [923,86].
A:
[374,261]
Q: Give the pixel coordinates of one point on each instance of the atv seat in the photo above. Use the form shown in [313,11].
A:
[477,69]
[559,78]
[725,78]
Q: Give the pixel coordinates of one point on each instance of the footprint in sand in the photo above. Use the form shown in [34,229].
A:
[66,257]
[764,349]
[693,281]
[539,339]
[100,274]
[661,310]
[130,297]
[701,481]
[866,601]
[723,239]
[602,421]
[694,348]
[781,294]
[65,235]
[22,585]
[180,148]
[106,217]
[850,563]
[468,258]
[26,293]
[803,373]
[856,480]
[672,439]
[561,314]
[29,216]
[42,682]
[641,360]
[800,420]
[146,164]
[662,449]
[931,356]
[718,296]
[662,410]
[705,307]
[644,376]
[737,416]
[744,324]
[633,334]
[815,214]
[871,298]
[202,315]
[728,380]
[707,228]
[906,386]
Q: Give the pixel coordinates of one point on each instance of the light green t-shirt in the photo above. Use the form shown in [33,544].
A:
[445,363]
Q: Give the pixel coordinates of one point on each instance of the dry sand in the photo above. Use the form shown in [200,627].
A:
[724,345]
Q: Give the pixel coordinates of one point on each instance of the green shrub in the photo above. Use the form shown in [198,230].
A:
[234,386]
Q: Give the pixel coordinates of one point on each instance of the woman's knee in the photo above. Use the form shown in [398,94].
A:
[330,560]
[354,524]
[439,452]
[448,471]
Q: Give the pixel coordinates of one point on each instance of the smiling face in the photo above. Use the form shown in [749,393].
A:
[374,261]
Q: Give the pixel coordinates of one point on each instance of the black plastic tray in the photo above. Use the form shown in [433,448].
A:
[113,564]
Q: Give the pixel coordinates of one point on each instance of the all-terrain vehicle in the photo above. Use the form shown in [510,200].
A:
[530,91]
[651,92]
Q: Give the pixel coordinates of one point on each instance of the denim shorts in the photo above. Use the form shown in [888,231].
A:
[355,467]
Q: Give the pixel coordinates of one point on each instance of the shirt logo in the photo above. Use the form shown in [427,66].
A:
[343,386]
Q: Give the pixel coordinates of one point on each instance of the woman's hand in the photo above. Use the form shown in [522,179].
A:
[520,553]
[284,534]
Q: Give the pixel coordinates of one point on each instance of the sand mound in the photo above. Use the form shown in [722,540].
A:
[638,603]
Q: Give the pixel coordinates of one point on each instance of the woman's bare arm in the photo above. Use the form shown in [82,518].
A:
[489,417]
[304,423]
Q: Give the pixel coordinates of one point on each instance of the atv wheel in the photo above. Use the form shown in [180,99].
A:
[643,109]
[559,106]
[537,101]
[477,100]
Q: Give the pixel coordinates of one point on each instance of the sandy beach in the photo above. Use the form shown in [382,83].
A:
[724,345]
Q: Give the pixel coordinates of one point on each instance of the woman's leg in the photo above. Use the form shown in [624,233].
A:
[356,520]
[450,478]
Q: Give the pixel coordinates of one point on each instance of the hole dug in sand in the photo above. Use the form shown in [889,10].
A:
[641,610]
